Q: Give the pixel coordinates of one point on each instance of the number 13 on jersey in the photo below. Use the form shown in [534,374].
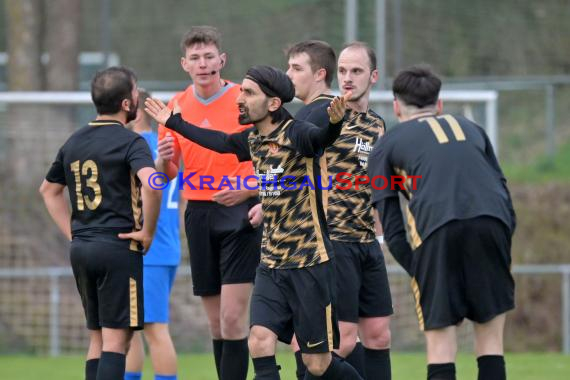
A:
[89,168]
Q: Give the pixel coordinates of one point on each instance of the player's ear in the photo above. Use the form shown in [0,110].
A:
[223,59]
[274,104]
[374,76]
[184,64]
[321,74]
[439,106]
[397,109]
[126,105]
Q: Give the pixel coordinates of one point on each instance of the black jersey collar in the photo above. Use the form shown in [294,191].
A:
[100,123]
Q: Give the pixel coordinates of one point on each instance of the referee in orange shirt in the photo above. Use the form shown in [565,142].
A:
[222,226]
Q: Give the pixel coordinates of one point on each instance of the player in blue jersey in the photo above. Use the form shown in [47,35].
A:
[159,271]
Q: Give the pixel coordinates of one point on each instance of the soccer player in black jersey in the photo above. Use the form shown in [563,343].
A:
[295,287]
[362,286]
[311,66]
[104,165]
[460,220]
[365,302]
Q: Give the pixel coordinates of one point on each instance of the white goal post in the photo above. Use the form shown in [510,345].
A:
[487,98]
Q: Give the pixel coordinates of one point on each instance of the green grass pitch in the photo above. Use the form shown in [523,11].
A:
[405,366]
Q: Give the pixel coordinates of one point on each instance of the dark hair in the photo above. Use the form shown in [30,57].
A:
[417,86]
[369,51]
[203,34]
[110,87]
[321,56]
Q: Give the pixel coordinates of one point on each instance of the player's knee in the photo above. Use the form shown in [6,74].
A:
[233,324]
[117,340]
[156,335]
[317,364]
[375,333]
[378,338]
[119,345]
[261,342]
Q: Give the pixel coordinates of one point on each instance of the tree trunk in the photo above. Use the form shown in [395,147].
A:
[34,132]
[62,27]
[62,44]
[23,18]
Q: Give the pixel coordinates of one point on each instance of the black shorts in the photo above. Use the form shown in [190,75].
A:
[109,277]
[224,247]
[463,271]
[362,281]
[300,301]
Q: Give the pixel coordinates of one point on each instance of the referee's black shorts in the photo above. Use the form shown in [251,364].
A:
[363,290]
[463,271]
[224,247]
[109,277]
[300,301]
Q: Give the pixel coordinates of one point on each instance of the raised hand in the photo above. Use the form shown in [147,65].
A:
[338,107]
[157,110]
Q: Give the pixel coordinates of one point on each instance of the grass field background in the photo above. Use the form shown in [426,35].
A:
[543,170]
[406,366]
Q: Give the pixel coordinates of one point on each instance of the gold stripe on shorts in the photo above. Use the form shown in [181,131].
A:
[329,326]
[133,302]
[416,290]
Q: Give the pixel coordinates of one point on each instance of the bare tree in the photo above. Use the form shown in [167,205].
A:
[62,44]
[35,132]
[23,20]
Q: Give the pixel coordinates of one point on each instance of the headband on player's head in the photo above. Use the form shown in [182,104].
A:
[273,82]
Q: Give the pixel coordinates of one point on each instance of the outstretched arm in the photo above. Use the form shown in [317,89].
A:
[312,140]
[217,141]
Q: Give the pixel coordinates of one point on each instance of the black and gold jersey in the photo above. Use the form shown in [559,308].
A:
[459,176]
[316,111]
[98,164]
[286,164]
[349,212]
